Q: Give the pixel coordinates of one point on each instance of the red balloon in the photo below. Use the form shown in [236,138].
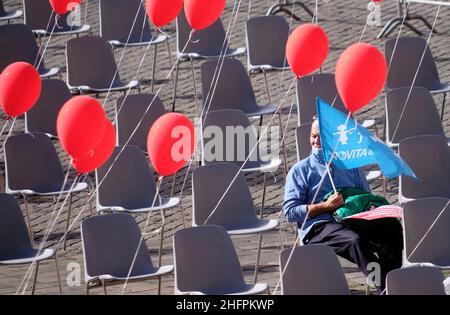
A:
[20,88]
[361,73]
[170,143]
[81,125]
[306,49]
[100,154]
[162,12]
[63,6]
[202,13]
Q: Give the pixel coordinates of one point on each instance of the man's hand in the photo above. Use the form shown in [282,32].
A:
[334,202]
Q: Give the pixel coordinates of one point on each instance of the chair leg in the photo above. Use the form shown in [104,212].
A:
[172,191]
[104,287]
[384,183]
[443,107]
[177,68]
[267,86]
[195,87]
[263,198]
[36,270]
[161,240]
[258,255]
[2,182]
[90,194]
[154,68]
[284,147]
[67,221]
[170,62]
[25,202]
[57,273]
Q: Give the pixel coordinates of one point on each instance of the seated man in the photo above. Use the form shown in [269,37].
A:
[381,243]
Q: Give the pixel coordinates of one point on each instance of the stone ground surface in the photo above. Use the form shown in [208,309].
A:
[343,21]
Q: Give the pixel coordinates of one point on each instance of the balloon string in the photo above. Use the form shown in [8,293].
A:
[158,186]
[57,17]
[191,36]
[45,48]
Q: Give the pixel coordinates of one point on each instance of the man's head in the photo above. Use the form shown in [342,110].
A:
[314,137]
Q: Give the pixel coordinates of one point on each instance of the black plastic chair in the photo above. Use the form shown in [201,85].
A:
[415,281]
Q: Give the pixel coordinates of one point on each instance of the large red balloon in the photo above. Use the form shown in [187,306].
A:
[361,73]
[170,143]
[81,125]
[100,154]
[162,12]
[20,88]
[202,13]
[63,6]
[306,49]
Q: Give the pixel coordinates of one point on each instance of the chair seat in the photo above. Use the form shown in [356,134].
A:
[230,53]
[262,166]
[158,40]
[257,110]
[164,203]
[373,175]
[78,187]
[150,273]
[368,123]
[442,88]
[246,290]
[47,73]
[64,30]
[259,226]
[29,257]
[260,68]
[11,15]
[117,86]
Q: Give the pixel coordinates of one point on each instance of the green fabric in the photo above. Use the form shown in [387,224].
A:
[356,201]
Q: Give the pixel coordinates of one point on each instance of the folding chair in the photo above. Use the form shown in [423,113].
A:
[33,168]
[129,111]
[125,184]
[19,45]
[8,15]
[404,69]
[426,231]
[429,158]
[266,45]
[43,115]
[410,112]
[91,67]
[415,281]
[234,91]
[312,270]
[118,17]
[209,43]
[206,263]
[235,212]
[114,253]
[243,152]
[15,245]
[40,16]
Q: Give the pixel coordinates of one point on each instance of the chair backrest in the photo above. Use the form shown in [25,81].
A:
[117,17]
[129,183]
[429,158]
[302,134]
[14,238]
[405,63]
[109,246]
[228,136]
[419,116]
[210,40]
[31,162]
[415,281]
[233,90]
[418,216]
[130,110]
[90,62]
[39,15]
[18,45]
[205,260]
[312,86]
[235,211]
[312,270]
[43,115]
[266,41]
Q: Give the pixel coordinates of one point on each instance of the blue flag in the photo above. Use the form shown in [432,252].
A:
[354,145]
